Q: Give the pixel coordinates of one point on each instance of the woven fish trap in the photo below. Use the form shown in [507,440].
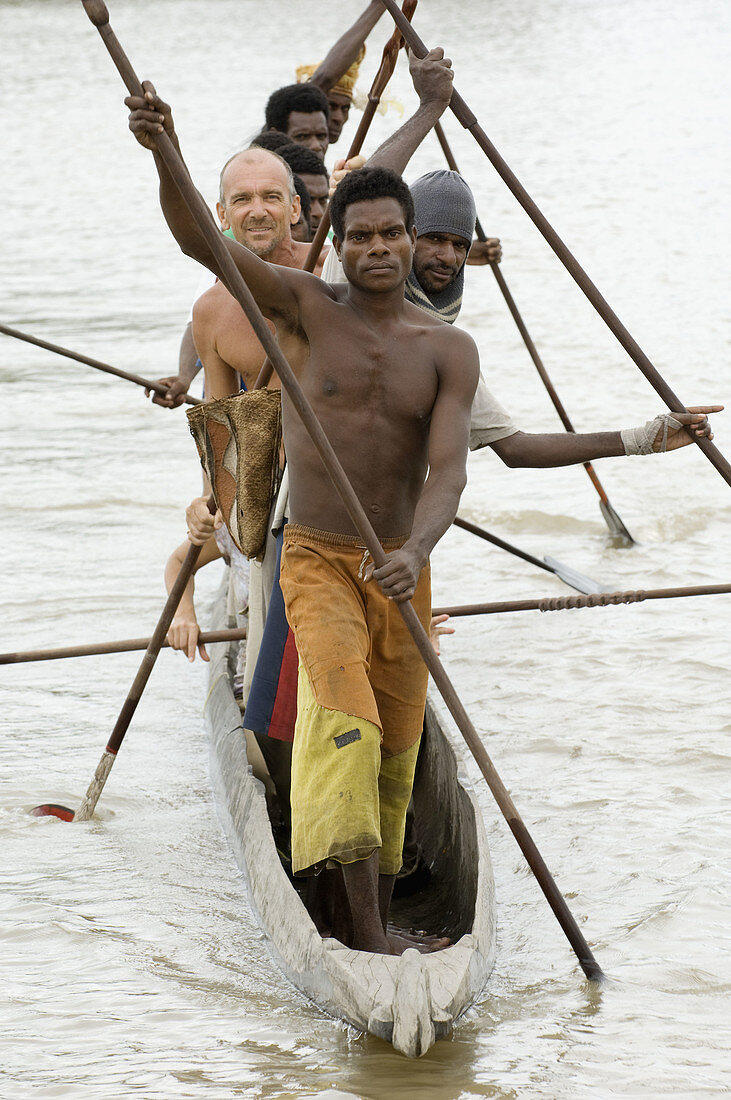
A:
[238,440]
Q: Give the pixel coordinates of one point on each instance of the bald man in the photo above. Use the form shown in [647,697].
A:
[258,204]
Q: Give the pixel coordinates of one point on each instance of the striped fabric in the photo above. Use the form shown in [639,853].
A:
[271,709]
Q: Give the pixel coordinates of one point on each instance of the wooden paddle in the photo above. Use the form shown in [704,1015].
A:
[467,119]
[378,87]
[565,573]
[96,363]
[97,12]
[128,645]
[611,517]
[596,599]
[104,767]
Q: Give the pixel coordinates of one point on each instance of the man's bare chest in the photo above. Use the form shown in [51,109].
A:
[360,370]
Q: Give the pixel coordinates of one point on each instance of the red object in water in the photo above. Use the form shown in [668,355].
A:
[52,809]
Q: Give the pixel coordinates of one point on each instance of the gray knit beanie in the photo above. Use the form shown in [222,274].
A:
[443,203]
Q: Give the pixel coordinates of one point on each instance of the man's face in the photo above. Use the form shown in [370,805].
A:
[376,250]
[339,108]
[438,258]
[301,230]
[310,130]
[258,207]
[318,189]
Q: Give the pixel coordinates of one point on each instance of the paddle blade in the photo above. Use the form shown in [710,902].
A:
[53,809]
[572,577]
[615,524]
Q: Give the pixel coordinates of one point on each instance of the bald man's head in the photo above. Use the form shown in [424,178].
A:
[257,200]
[252,155]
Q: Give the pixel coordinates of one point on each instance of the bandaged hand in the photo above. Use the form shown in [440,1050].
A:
[341,169]
[667,432]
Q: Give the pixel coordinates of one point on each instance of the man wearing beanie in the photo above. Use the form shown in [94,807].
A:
[445,219]
[445,222]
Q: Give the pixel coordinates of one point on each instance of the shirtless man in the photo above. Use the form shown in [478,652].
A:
[258,205]
[392,388]
[375,368]
[257,202]
[444,202]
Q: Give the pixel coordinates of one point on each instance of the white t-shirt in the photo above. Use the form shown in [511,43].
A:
[206,281]
[490,421]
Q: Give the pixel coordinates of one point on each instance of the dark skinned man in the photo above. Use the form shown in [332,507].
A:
[374,367]
[307,166]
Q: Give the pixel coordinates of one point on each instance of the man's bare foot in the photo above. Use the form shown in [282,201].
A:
[400,942]
[419,938]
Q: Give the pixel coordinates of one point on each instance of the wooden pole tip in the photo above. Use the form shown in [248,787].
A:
[97,11]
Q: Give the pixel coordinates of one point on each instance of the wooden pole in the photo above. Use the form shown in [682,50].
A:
[467,119]
[611,517]
[104,767]
[128,645]
[597,599]
[96,363]
[565,573]
[97,12]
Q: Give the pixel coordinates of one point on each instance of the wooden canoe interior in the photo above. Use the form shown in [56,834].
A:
[443,902]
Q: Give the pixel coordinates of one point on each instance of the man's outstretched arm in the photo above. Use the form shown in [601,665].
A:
[433,80]
[567,448]
[447,477]
[270,284]
[346,49]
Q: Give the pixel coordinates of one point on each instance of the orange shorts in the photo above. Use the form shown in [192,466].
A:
[351,639]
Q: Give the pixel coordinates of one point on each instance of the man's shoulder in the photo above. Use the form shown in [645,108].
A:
[211,301]
[216,308]
[441,330]
[297,257]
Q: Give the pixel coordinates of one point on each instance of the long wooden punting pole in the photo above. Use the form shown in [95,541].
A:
[565,573]
[611,517]
[596,599]
[547,603]
[89,362]
[378,87]
[126,645]
[97,12]
[467,119]
[126,714]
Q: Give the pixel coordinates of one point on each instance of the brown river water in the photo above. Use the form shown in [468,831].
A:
[131,963]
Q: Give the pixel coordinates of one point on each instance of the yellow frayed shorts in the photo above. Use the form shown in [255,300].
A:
[347,798]
[360,707]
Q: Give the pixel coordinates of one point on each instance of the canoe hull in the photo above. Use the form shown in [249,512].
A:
[409,1000]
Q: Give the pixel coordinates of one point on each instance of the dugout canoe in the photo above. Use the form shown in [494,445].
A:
[411,1000]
